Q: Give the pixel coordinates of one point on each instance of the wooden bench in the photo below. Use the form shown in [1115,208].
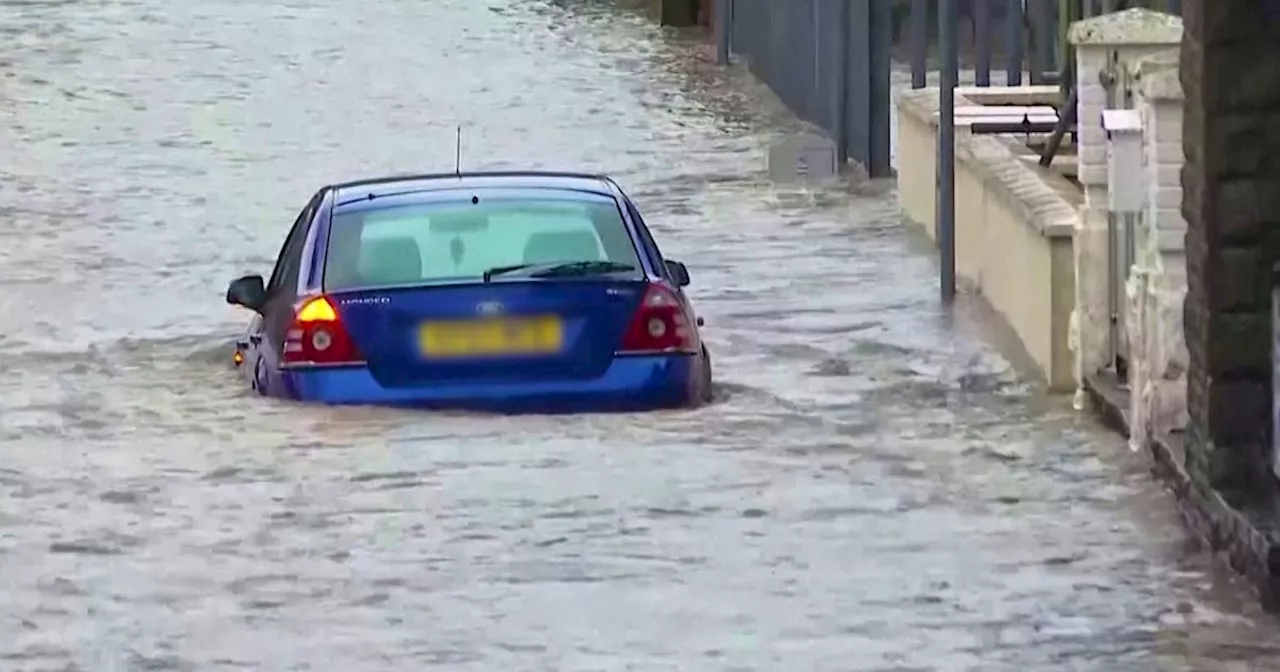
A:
[1016,118]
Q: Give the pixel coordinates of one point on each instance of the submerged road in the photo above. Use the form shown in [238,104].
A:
[873,489]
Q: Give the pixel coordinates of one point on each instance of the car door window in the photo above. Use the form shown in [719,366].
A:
[292,264]
[289,262]
[650,247]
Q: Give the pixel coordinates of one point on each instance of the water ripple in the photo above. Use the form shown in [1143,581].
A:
[872,490]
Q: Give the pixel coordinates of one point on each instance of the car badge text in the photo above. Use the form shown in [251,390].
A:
[366,301]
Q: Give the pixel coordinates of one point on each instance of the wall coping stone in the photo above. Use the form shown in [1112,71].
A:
[1132,27]
[1046,200]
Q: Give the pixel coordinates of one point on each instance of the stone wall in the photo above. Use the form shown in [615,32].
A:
[1230,75]
[1158,279]
[1159,97]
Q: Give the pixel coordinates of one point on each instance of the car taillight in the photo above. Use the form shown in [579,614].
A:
[318,337]
[659,325]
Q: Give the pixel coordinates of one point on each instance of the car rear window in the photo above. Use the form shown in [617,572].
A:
[457,241]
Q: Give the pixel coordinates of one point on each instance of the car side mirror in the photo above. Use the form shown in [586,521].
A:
[678,272]
[249,291]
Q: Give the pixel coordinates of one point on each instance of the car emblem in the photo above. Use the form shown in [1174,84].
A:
[489,308]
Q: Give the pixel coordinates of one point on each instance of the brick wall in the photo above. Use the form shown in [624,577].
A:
[1230,74]
[1090,101]
[1162,126]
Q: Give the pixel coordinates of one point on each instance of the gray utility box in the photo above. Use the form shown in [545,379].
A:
[807,156]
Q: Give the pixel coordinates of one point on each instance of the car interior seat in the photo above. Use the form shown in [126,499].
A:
[556,246]
[390,261]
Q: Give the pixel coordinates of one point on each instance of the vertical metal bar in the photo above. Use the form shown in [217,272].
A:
[919,53]
[1014,30]
[1041,42]
[1066,15]
[878,108]
[1130,242]
[1113,329]
[1128,231]
[1052,17]
[821,91]
[981,42]
[857,92]
[869,39]
[723,27]
[948,49]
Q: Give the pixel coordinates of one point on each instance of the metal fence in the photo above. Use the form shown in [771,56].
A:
[830,60]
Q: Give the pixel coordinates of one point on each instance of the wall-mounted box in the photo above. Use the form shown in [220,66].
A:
[1126,183]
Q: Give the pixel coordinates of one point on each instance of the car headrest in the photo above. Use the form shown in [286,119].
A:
[390,261]
[544,248]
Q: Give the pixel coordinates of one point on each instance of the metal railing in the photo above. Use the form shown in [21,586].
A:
[830,62]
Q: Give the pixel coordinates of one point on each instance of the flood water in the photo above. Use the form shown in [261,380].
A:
[873,490]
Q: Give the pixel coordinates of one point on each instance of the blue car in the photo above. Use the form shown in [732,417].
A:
[502,291]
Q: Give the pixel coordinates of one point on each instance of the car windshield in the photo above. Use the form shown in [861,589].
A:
[460,241]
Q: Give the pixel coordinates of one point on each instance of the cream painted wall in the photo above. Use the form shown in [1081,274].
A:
[1014,225]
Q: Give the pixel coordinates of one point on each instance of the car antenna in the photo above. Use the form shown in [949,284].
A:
[457,154]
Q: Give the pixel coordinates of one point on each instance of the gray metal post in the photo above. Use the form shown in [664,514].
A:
[1013,34]
[879,66]
[724,26]
[853,29]
[1043,34]
[949,50]
[981,42]
[919,53]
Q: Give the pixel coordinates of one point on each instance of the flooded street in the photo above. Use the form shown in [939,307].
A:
[873,489]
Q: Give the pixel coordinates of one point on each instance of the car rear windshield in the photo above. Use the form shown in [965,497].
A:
[458,241]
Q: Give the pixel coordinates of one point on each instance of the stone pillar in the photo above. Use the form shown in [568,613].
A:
[1158,350]
[1105,46]
[1231,201]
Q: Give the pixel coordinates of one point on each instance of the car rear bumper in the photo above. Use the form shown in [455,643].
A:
[630,383]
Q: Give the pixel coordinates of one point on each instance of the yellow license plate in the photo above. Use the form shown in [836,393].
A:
[472,338]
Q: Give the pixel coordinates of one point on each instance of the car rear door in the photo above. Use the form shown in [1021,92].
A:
[282,288]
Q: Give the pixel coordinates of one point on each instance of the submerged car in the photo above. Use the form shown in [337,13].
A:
[504,291]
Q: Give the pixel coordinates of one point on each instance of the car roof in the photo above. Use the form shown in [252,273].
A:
[527,179]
